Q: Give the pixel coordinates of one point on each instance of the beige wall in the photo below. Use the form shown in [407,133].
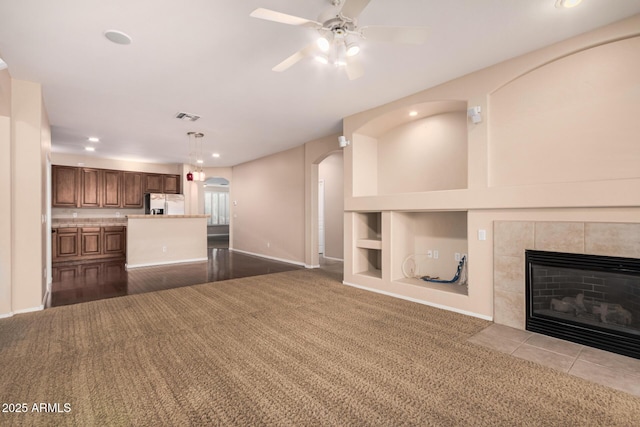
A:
[6,189]
[165,240]
[579,124]
[330,170]
[29,148]
[558,142]
[424,155]
[267,206]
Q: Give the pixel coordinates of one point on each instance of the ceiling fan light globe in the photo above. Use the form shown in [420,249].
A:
[323,44]
[353,49]
[322,59]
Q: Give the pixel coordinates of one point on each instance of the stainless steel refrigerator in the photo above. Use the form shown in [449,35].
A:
[163,204]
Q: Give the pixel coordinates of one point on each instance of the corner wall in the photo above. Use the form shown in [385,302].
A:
[29,149]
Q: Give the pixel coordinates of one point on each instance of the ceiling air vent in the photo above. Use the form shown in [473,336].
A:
[187,117]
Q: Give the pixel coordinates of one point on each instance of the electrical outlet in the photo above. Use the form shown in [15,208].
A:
[429,254]
[117,214]
[457,256]
[164,249]
[268,244]
[436,254]
[75,214]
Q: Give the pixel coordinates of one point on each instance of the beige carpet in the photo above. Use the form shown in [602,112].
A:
[294,348]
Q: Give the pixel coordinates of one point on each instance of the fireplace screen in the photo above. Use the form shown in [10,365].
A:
[588,299]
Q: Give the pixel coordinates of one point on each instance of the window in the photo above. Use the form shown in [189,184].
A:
[216,205]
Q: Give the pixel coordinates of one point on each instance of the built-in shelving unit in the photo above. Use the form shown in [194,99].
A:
[429,244]
[368,236]
[395,239]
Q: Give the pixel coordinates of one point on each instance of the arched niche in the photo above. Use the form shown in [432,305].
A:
[417,148]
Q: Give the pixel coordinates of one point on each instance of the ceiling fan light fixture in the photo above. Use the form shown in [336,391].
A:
[353,49]
[323,44]
[322,59]
[567,4]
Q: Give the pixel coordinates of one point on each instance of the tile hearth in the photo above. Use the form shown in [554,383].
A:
[602,367]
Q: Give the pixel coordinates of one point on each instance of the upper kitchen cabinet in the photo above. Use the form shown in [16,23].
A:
[112,189]
[159,183]
[132,196]
[77,187]
[90,188]
[65,180]
[171,184]
[153,183]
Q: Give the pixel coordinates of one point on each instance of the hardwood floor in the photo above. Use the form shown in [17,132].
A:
[88,281]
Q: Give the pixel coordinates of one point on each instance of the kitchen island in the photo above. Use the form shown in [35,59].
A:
[165,239]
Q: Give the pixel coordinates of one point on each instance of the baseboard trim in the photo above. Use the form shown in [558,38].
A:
[288,261]
[6,315]
[419,301]
[333,259]
[311,266]
[29,310]
[154,264]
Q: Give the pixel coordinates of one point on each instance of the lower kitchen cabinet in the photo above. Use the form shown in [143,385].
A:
[90,241]
[86,243]
[65,243]
[114,241]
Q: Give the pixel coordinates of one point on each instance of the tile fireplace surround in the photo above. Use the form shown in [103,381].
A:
[511,238]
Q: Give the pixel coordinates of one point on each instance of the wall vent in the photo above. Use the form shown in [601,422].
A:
[187,117]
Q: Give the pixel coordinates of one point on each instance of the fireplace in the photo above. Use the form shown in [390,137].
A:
[588,299]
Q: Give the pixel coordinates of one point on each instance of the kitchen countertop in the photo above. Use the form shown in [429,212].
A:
[88,222]
[165,216]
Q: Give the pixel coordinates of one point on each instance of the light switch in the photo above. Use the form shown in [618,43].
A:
[482,234]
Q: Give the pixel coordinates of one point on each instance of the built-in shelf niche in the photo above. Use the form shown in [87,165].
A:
[368,237]
[419,233]
[397,153]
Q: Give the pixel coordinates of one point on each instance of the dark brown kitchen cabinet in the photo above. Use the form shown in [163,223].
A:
[153,183]
[86,243]
[65,243]
[114,241]
[65,183]
[90,241]
[171,184]
[90,188]
[111,189]
[132,196]
[80,187]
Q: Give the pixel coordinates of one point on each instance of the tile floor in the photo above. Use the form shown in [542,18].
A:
[599,366]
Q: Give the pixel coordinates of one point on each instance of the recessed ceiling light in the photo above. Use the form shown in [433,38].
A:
[89,148]
[200,161]
[216,155]
[117,37]
[413,113]
[93,139]
[567,3]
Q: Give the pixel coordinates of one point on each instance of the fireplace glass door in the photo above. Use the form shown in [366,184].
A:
[588,299]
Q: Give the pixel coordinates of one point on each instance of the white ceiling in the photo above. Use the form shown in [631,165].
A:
[208,57]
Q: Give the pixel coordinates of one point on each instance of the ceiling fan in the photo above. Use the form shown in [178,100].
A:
[340,34]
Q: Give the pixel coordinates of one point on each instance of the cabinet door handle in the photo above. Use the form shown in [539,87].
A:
[53,231]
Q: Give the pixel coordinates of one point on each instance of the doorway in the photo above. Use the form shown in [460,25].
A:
[216,205]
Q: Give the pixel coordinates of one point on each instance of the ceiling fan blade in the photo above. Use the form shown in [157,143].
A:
[354,68]
[353,8]
[409,35]
[283,18]
[293,59]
